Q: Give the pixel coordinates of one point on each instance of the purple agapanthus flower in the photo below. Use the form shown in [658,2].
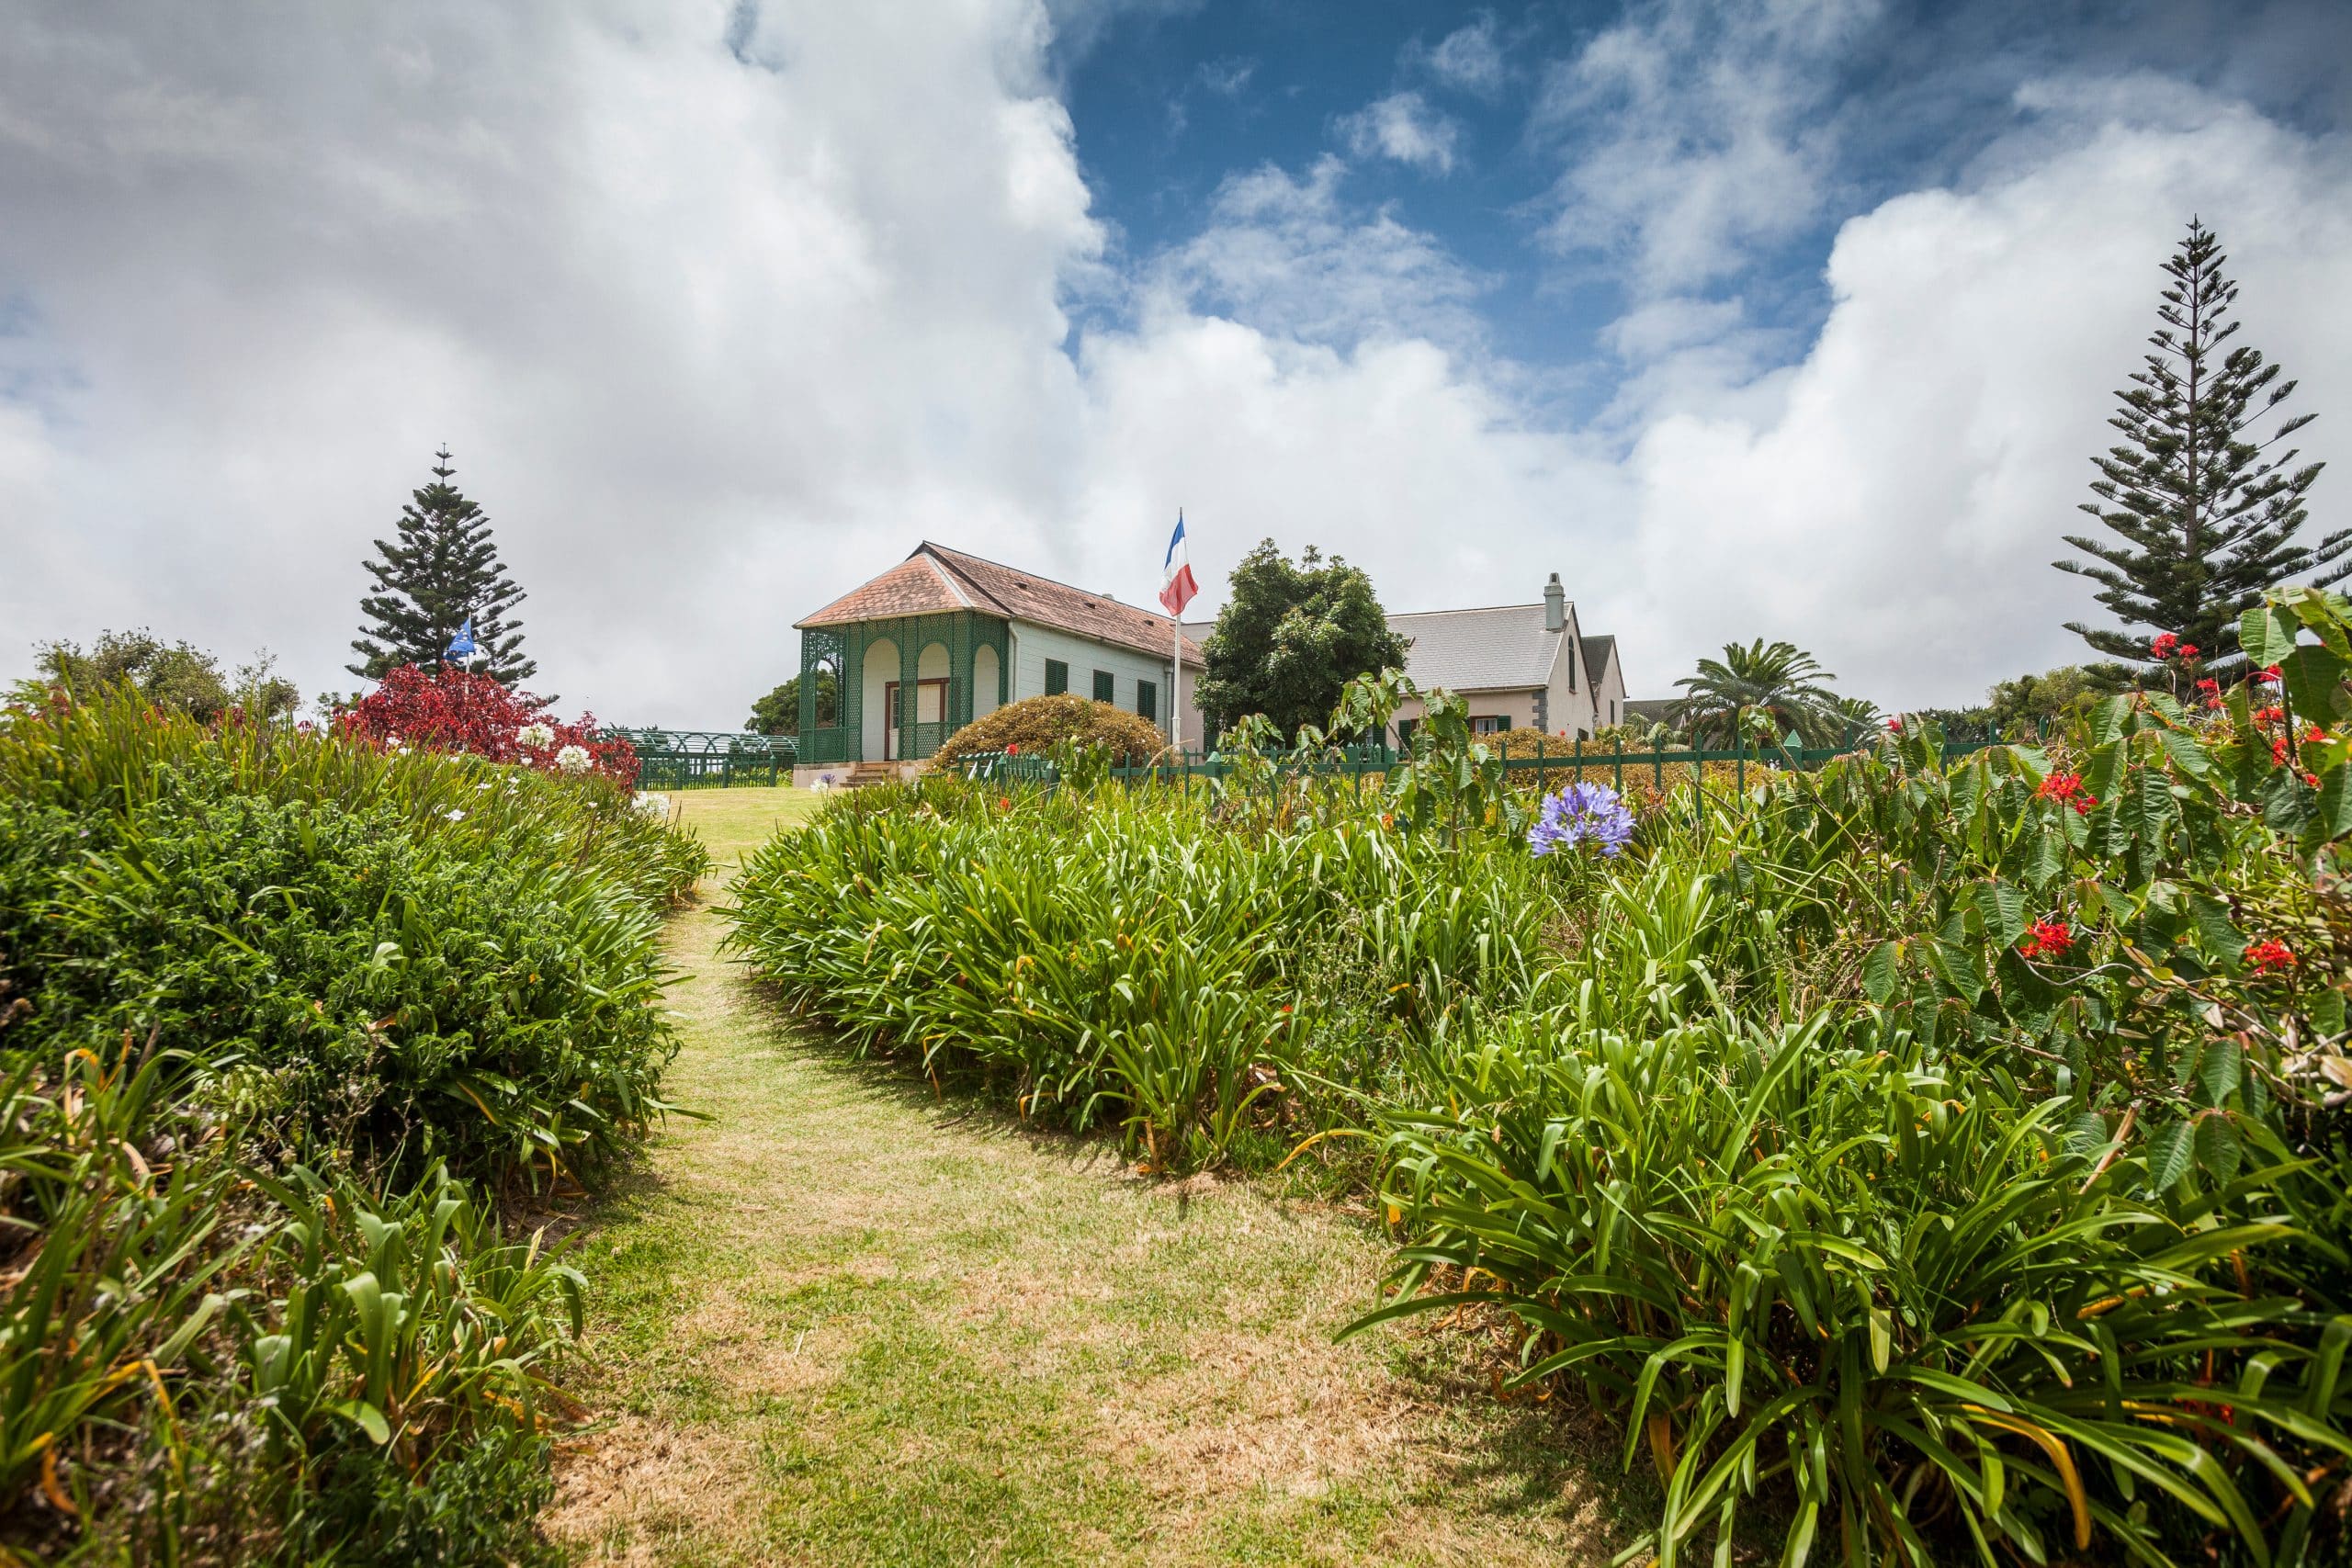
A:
[1582,812]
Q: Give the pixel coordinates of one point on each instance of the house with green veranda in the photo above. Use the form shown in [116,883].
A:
[944,637]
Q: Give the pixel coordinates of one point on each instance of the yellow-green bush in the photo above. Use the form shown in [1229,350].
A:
[1036,724]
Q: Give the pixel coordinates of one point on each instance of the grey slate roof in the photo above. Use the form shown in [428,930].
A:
[1479,650]
[1597,652]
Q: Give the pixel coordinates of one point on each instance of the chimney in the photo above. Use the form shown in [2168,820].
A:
[1555,605]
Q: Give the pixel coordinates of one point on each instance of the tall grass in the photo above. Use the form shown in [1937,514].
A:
[1114,959]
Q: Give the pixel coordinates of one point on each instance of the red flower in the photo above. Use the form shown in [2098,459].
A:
[2215,703]
[2270,674]
[2208,684]
[2274,713]
[2269,955]
[1004,802]
[2314,735]
[2047,938]
[2189,653]
[2164,644]
[461,711]
[1013,750]
[2311,779]
[1895,724]
[2278,749]
[2068,788]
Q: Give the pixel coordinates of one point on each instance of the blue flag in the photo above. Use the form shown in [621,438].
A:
[462,644]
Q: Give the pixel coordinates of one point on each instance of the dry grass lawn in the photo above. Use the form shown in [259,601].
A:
[841,1322]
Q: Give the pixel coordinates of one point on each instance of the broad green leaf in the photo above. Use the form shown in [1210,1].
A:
[2003,907]
[2222,941]
[2266,635]
[2218,1072]
[2169,1152]
[2218,1148]
[370,1420]
[2331,817]
[2313,676]
[1879,972]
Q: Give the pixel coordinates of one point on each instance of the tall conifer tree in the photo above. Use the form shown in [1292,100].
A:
[444,569]
[2205,508]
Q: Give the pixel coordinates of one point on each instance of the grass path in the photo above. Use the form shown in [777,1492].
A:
[839,1323]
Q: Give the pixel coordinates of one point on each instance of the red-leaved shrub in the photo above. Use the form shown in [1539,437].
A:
[460,711]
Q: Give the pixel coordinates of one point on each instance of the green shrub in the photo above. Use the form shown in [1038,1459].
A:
[229,958]
[385,979]
[1038,724]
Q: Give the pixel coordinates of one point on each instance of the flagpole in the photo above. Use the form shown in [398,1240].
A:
[1176,696]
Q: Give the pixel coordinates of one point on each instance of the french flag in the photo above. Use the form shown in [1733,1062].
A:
[1177,587]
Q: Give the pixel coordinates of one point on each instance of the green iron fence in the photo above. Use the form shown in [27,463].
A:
[705,759]
[1542,765]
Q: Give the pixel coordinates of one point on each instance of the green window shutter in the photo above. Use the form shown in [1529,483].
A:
[1147,700]
[1057,677]
[1103,686]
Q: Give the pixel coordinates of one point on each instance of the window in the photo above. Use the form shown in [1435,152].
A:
[1103,686]
[1057,677]
[1147,700]
[1405,733]
[1489,724]
[1613,710]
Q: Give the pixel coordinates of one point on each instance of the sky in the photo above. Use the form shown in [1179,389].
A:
[1762,319]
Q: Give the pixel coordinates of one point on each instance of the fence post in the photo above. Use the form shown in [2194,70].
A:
[1539,765]
[1658,764]
[1617,765]
[1739,763]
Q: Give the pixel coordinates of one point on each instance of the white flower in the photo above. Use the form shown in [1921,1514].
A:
[654,804]
[456,814]
[539,737]
[575,760]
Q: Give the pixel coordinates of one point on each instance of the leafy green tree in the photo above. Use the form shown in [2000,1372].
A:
[1290,637]
[778,713]
[1780,680]
[2016,706]
[170,675]
[2204,506]
[443,572]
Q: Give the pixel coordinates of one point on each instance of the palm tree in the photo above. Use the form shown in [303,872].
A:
[1780,680]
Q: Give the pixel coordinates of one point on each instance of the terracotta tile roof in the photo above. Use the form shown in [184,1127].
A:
[916,586]
[936,578]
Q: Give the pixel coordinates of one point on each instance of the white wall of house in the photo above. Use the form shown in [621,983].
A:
[1033,645]
[987,678]
[881,669]
[1610,696]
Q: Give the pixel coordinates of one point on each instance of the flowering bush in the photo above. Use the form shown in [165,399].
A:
[460,711]
[1581,812]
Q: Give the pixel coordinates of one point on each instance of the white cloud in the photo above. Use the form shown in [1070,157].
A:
[1404,126]
[707,338]
[1469,58]
[1898,511]
[715,340]
[1288,255]
[1226,78]
[1693,130]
